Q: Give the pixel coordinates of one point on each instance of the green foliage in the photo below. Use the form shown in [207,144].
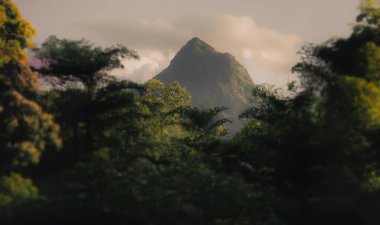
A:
[204,125]
[80,59]
[162,190]
[369,12]
[141,171]
[164,95]
[318,147]
[15,189]
[156,104]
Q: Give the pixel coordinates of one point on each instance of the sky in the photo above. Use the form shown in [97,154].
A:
[264,35]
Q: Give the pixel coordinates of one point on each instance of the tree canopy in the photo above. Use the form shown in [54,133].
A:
[80,59]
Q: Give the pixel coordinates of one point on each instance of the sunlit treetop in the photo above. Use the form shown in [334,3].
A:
[370,12]
[15,35]
[356,55]
[25,129]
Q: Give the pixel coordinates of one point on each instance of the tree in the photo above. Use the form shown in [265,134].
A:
[318,147]
[80,60]
[345,72]
[25,130]
[150,177]
[205,126]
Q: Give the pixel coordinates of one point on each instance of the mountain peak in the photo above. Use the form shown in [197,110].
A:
[212,78]
[196,41]
[198,46]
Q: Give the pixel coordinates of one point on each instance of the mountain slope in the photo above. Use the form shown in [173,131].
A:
[212,78]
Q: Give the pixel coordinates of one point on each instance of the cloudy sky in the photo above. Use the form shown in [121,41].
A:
[264,35]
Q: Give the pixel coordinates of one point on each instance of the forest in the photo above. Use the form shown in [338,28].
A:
[94,149]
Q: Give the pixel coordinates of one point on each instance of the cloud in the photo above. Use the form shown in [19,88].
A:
[263,51]
[249,42]
[151,63]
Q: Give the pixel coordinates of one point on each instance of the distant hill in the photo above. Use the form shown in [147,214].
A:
[212,78]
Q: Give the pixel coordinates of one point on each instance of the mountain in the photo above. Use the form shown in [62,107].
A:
[212,78]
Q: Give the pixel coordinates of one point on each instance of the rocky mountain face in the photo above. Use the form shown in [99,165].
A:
[212,78]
